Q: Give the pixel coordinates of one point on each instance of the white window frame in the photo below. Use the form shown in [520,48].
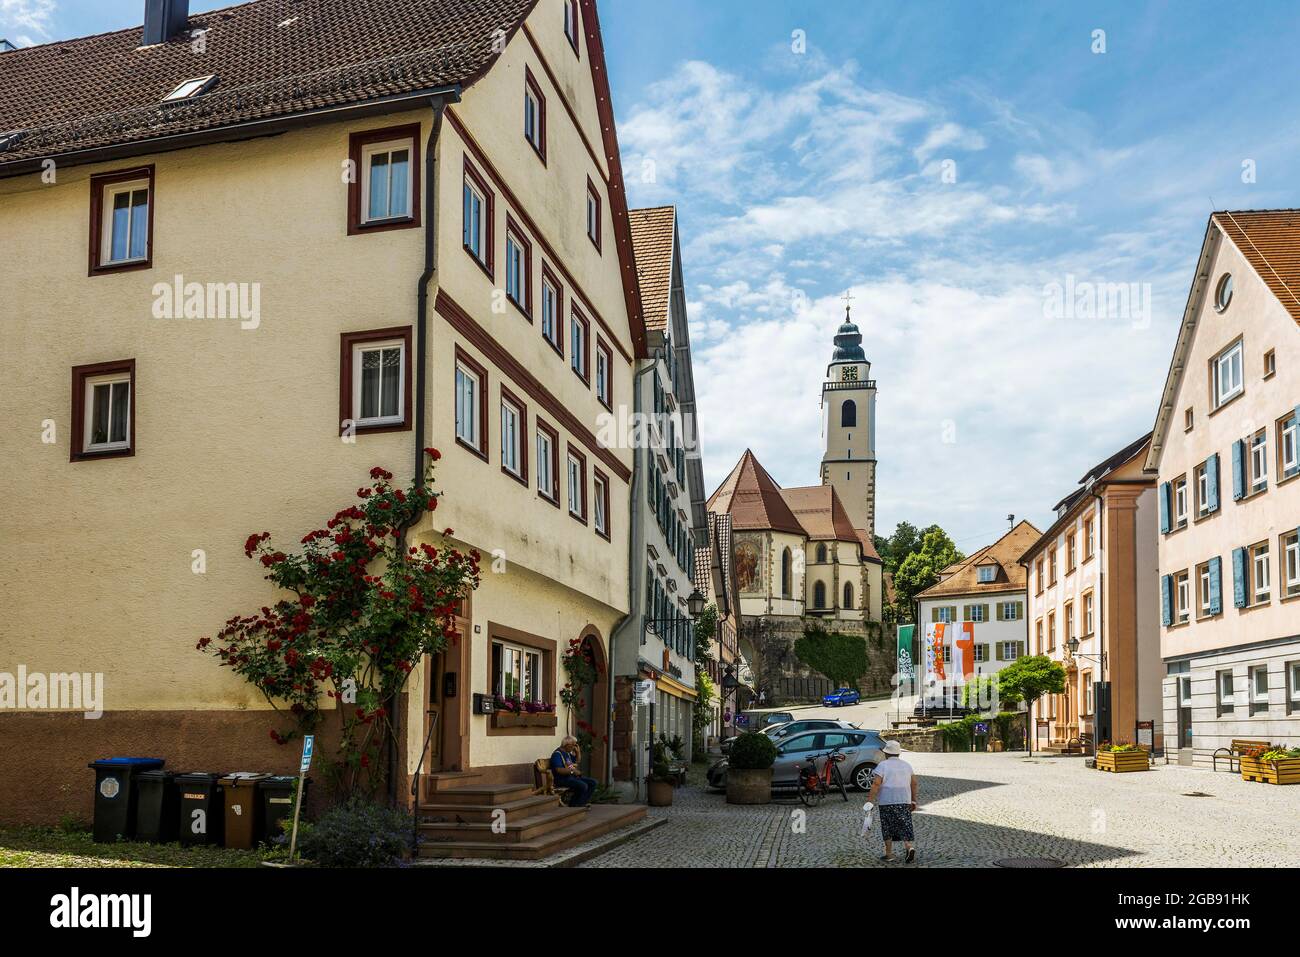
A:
[1290,445]
[389,147]
[534,137]
[1087,613]
[1259,573]
[577,344]
[980,656]
[468,426]
[570,22]
[945,615]
[985,574]
[602,374]
[1203,577]
[109,380]
[545,456]
[189,88]
[359,349]
[516,270]
[977,613]
[1259,460]
[111,191]
[1180,501]
[1202,490]
[1291,562]
[1230,359]
[599,520]
[1293,667]
[1184,596]
[577,491]
[1256,697]
[512,446]
[1010,650]
[550,309]
[1224,682]
[479,214]
[593,217]
[527,678]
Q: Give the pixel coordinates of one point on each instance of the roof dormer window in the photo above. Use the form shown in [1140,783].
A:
[189,89]
[986,573]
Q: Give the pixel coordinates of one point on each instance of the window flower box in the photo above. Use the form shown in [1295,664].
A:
[1121,761]
[508,719]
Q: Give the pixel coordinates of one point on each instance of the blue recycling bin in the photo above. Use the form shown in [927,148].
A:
[115,795]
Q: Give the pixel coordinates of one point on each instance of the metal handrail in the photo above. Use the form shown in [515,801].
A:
[415,784]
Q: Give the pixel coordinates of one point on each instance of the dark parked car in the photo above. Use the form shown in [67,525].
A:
[863,749]
[758,720]
[840,697]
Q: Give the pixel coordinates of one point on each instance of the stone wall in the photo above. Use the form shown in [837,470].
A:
[789,681]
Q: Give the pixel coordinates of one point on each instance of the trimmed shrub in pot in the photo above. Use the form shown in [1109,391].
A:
[659,783]
[749,769]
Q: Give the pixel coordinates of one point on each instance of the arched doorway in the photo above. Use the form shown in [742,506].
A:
[593,715]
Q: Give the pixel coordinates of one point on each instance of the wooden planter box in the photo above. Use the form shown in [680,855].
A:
[1120,761]
[1284,771]
[509,719]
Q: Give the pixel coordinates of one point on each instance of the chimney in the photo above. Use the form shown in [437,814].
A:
[164,19]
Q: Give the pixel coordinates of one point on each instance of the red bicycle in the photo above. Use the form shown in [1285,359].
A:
[814,785]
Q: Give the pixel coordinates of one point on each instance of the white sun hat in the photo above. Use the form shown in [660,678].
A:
[892,747]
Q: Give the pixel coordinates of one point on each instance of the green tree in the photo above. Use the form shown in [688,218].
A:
[905,540]
[841,658]
[706,626]
[920,569]
[1028,679]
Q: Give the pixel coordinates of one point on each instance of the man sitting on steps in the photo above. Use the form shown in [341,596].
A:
[567,774]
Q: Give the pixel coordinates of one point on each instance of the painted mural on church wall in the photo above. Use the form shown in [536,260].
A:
[749,563]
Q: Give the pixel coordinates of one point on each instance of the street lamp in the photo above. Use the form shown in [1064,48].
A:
[695,604]
[1073,647]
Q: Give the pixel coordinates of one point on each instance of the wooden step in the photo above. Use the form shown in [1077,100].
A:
[483,812]
[493,795]
[444,780]
[517,830]
[600,819]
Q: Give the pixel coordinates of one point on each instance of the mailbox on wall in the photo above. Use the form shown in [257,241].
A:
[483,704]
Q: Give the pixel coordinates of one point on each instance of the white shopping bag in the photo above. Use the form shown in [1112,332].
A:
[869,810]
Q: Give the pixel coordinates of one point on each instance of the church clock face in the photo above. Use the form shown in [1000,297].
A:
[849,374]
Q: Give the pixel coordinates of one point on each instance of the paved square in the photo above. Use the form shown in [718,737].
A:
[976,808]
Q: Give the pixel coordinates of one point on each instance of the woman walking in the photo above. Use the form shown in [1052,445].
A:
[893,792]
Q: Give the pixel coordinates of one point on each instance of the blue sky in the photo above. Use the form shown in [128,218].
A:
[947,162]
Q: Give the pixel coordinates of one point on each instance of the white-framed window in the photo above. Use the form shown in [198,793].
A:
[477,220]
[571,22]
[468,389]
[108,413]
[1202,490]
[550,310]
[1185,691]
[947,649]
[1290,547]
[1259,461]
[190,88]
[1071,552]
[1180,501]
[534,115]
[1259,573]
[1227,374]
[1293,670]
[517,671]
[976,612]
[1089,702]
[1223,292]
[1010,650]
[1069,620]
[600,504]
[386,171]
[945,614]
[603,371]
[1289,445]
[546,464]
[1184,598]
[1088,542]
[577,487]
[1223,682]
[517,271]
[980,654]
[124,233]
[986,573]
[1087,613]
[378,382]
[1259,684]
[1010,611]
[1203,581]
[593,214]
[512,440]
[578,344]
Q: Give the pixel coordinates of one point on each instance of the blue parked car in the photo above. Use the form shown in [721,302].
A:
[841,696]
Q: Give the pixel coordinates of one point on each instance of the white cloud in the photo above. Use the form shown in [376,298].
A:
[33,15]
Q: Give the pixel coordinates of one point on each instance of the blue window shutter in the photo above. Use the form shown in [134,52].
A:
[1239,577]
[1212,482]
[1166,600]
[1216,585]
[1164,508]
[1238,470]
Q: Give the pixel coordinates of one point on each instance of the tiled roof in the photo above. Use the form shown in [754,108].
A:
[753,499]
[868,546]
[1005,552]
[652,241]
[1270,241]
[274,58]
[820,512]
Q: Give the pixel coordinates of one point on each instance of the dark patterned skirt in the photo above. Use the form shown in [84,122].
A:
[896,822]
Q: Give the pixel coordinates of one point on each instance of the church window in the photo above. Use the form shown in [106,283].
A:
[821,553]
[849,414]
[819,595]
[848,595]
[787,574]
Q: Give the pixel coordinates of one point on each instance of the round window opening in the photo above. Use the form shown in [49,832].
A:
[1223,294]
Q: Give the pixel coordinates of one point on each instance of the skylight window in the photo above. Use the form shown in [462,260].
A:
[191,88]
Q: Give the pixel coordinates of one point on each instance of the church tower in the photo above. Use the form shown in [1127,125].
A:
[849,427]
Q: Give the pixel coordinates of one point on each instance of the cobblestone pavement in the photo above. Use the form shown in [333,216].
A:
[977,808]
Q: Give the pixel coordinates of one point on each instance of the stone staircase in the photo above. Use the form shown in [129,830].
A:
[457,815]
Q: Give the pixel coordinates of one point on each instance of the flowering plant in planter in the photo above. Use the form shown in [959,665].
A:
[360,612]
[582,672]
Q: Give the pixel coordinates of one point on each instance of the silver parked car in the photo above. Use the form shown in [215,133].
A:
[779,732]
[861,747]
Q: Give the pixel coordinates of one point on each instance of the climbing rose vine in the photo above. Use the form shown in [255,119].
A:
[360,614]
